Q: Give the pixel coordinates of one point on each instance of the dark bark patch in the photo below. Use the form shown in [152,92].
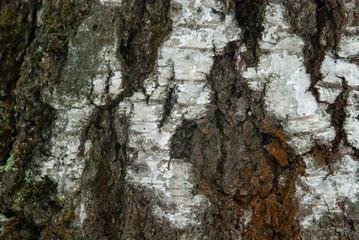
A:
[168,105]
[144,25]
[243,165]
[17,20]
[338,114]
[250,16]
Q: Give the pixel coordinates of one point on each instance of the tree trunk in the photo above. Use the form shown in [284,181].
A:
[182,119]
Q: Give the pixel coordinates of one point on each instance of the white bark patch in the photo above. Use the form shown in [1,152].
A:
[65,165]
[108,75]
[114,2]
[324,193]
[351,124]
[82,213]
[318,192]
[282,75]
[184,61]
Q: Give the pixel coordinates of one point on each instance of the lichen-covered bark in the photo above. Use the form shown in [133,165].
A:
[181,119]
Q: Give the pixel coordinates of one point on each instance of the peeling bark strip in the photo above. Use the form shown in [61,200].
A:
[182,119]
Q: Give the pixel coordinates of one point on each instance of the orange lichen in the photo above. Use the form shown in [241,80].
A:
[276,150]
[282,136]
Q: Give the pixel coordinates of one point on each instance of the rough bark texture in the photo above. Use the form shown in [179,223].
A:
[181,119]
